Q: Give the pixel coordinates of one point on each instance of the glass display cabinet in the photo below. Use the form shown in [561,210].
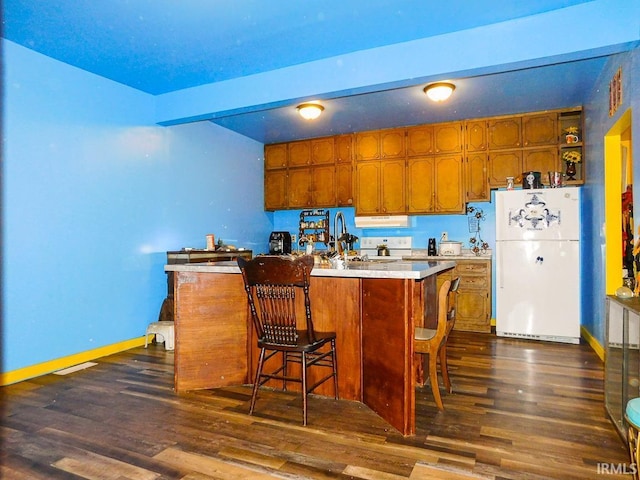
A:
[622,359]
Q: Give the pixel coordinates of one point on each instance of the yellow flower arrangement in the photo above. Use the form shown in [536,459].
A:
[571,130]
[573,156]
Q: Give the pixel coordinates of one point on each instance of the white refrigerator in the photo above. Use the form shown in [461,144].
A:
[538,264]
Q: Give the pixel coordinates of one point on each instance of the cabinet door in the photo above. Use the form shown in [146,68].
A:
[344,148]
[392,174]
[476,135]
[502,165]
[299,187]
[504,133]
[448,186]
[275,189]
[367,188]
[420,185]
[420,141]
[300,153]
[392,143]
[447,137]
[275,156]
[344,184]
[540,130]
[322,151]
[541,160]
[472,311]
[368,145]
[477,186]
[323,186]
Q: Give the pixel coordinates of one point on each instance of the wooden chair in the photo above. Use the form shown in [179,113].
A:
[451,321]
[430,342]
[271,283]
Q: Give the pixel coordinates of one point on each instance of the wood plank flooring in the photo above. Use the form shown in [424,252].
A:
[520,410]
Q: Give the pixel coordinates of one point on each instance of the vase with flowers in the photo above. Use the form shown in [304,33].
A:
[571,157]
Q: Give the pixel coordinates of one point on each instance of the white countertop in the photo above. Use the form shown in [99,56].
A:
[396,269]
[422,255]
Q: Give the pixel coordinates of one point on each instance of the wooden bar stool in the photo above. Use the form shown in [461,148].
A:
[632,415]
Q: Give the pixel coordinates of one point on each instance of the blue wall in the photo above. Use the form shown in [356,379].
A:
[597,124]
[94,195]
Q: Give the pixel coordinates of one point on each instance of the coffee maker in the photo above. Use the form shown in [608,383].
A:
[279,243]
[431,248]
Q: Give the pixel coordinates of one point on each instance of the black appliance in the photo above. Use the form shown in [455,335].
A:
[279,243]
[431,250]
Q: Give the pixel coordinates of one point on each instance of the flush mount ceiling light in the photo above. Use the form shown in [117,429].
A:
[310,111]
[440,91]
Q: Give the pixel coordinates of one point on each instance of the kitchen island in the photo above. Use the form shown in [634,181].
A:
[372,306]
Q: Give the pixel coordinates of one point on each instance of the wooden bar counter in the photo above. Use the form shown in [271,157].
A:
[373,308]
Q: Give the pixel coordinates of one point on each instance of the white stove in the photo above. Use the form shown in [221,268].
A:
[398,247]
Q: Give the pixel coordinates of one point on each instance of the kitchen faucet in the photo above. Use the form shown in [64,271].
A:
[341,235]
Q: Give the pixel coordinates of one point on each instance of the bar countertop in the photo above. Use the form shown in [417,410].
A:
[399,269]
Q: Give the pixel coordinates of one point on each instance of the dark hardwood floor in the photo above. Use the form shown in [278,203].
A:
[520,410]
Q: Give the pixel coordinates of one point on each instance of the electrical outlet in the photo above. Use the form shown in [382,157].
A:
[444,237]
[294,238]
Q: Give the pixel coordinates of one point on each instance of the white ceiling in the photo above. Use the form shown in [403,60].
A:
[163,46]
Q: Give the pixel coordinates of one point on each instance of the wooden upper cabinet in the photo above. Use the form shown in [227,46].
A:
[420,141]
[448,185]
[540,130]
[275,189]
[476,135]
[367,184]
[475,176]
[420,188]
[504,164]
[392,143]
[380,144]
[299,187]
[299,153]
[392,180]
[504,133]
[344,148]
[542,160]
[447,138]
[322,151]
[275,156]
[367,145]
[323,186]
[344,185]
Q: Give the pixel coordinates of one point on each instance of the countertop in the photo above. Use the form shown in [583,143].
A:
[399,269]
[422,255]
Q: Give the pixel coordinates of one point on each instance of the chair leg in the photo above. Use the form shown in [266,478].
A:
[256,382]
[433,376]
[304,388]
[445,368]
[285,359]
[335,368]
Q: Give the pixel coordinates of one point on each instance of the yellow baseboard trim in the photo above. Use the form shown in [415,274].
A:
[15,376]
[593,342]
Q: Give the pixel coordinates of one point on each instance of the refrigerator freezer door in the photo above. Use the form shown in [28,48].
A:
[538,290]
[546,214]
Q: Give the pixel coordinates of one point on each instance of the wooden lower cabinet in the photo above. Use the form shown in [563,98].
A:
[473,301]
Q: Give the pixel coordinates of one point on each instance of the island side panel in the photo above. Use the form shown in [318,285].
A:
[387,350]
[211,331]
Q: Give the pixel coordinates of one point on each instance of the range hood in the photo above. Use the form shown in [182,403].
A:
[382,221]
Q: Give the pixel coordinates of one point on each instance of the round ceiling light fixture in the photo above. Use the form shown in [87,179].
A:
[310,111]
[439,91]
